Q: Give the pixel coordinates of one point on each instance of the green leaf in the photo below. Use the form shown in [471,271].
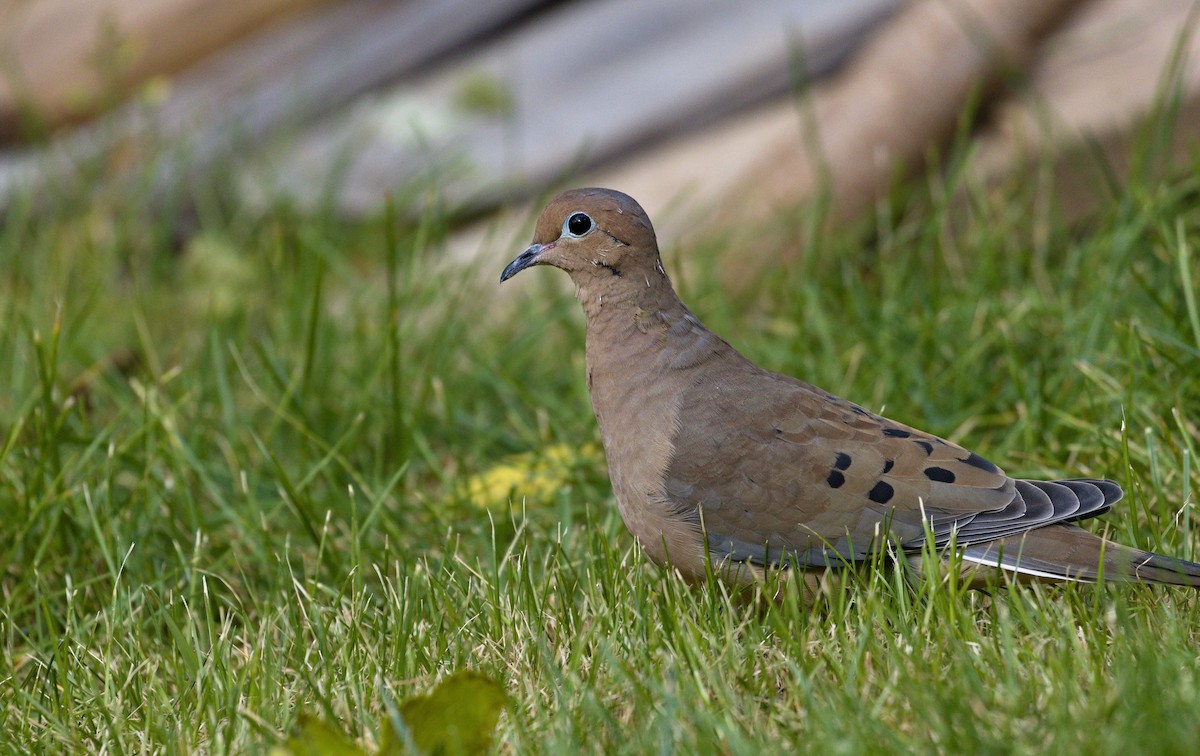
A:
[313,737]
[458,717]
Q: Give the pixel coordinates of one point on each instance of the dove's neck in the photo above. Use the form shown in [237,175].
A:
[644,351]
[639,330]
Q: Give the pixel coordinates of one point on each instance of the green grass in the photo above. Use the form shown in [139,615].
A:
[240,479]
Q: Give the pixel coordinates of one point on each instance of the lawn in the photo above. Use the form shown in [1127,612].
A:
[255,466]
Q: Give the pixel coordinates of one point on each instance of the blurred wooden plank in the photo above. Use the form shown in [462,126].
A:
[65,58]
[901,98]
[321,64]
[1101,75]
[1108,71]
[576,86]
[284,76]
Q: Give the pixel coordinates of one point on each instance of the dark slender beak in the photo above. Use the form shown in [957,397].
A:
[523,261]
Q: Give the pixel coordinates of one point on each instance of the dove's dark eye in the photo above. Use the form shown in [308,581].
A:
[578,224]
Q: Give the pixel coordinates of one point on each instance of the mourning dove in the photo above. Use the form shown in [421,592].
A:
[715,461]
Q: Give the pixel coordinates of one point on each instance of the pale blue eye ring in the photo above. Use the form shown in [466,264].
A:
[578,224]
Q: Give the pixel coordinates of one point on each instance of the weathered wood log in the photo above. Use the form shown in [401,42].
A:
[901,97]
[231,103]
[64,59]
[1113,70]
[574,87]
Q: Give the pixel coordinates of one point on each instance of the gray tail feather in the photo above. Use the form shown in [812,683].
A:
[1067,552]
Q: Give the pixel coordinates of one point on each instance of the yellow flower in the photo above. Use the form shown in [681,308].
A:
[532,476]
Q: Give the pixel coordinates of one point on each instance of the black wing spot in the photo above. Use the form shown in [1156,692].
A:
[896,432]
[888,464]
[974,460]
[940,474]
[835,479]
[882,493]
[928,447]
[842,461]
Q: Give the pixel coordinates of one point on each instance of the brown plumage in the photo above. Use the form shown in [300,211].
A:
[709,453]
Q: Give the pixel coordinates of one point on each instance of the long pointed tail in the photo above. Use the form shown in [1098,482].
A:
[1067,552]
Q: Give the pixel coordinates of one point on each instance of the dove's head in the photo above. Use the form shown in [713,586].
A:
[596,235]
